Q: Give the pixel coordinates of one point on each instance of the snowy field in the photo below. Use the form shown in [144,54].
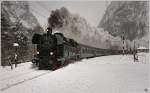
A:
[106,74]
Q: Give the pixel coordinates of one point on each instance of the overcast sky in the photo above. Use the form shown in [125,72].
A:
[92,11]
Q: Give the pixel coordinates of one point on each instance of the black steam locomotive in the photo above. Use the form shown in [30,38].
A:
[55,51]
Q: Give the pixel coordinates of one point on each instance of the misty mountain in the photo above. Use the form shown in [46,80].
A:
[17,26]
[127,18]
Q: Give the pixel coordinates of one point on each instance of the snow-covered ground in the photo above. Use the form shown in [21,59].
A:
[106,74]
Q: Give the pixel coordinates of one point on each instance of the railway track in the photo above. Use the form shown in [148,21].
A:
[19,75]
[14,76]
[9,85]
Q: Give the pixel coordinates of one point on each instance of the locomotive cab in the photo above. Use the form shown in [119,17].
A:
[60,48]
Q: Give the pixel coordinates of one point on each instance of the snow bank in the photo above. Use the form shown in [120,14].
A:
[106,74]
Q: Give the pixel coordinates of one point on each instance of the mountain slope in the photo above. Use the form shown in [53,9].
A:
[130,17]
[17,26]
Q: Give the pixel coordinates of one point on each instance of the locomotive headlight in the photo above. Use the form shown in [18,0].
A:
[37,52]
[51,53]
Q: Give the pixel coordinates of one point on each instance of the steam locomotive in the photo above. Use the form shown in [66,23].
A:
[55,50]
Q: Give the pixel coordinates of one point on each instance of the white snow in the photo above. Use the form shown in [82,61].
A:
[26,24]
[12,19]
[141,47]
[106,74]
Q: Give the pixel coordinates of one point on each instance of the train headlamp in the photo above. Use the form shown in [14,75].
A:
[51,53]
[37,52]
